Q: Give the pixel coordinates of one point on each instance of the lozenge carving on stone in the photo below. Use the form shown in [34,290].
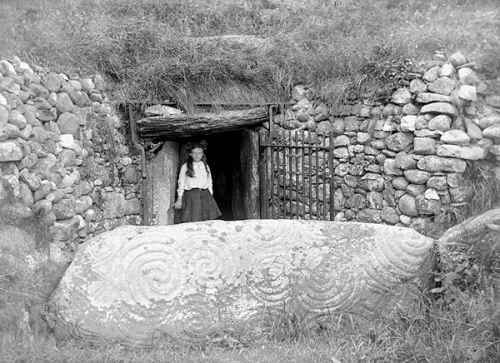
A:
[190,281]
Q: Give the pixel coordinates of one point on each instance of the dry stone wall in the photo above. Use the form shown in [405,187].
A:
[64,154]
[408,161]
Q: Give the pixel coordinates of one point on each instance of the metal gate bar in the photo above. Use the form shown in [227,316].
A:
[293,188]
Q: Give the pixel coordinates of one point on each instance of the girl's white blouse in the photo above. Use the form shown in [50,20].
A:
[201,179]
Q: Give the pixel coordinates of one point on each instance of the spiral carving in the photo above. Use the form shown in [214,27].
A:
[188,281]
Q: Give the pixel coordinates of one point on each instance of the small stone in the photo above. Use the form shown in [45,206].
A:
[473,130]
[428,206]
[424,145]
[372,182]
[415,189]
[468,76]
[389,215]
[431,194]
[82,204]
[408,123]
[405,161]
[53,82]
[456,137]
[417,86]
[87,84]
[447,70]
[440,107]
[437,182]
[490,120]
[442,86]
[80,98]
[457,59]
[410,109]
[363,137]
[416,176]
[4,115]
[341,153]
[492,132]
[341,140]
[9,131]
[3,101]
[437,164]
[398,141]
[65,208]
[338,126]
[10,151]
[467,93]
[462,152]
[432,74]
[64,103]
[25,194]
[401,96]
[400,183]
[324,128]
[16,118]
[69,123]
[407,205]
[74,84]
[7,69]
[493,100]
[390,167]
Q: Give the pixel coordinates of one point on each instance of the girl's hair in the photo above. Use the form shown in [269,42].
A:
[190,170]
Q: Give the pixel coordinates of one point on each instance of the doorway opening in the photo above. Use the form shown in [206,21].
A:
[233,160]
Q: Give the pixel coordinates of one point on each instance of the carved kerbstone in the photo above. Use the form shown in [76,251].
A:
[190,281]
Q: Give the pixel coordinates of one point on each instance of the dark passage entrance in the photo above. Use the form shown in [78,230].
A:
[232,157]
[223,154]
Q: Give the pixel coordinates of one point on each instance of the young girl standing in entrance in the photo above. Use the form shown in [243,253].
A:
[195,190]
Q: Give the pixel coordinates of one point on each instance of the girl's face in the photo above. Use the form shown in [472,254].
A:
[196,154]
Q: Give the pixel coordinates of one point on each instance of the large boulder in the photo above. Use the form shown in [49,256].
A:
[193,281]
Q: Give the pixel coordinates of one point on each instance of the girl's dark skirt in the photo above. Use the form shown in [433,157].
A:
[199,205]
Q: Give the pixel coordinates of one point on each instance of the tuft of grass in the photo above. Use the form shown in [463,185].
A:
[152,49]
[422,331]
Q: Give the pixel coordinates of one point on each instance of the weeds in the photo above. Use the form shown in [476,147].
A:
[348,47]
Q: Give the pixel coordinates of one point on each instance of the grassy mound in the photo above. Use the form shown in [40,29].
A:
[346,48]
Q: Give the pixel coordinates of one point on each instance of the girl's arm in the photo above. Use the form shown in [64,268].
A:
[210,182]
[181,181]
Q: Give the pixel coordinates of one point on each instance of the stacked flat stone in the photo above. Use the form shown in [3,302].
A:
[403,162]
[55,131]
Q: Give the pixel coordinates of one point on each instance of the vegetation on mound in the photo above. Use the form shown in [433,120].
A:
[345,48]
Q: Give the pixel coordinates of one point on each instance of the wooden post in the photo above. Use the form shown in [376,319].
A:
[161,185]
[249,156]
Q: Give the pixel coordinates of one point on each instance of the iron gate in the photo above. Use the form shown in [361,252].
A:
[296,173]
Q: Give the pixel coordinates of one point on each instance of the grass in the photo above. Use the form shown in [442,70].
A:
[346,48]
[461,331]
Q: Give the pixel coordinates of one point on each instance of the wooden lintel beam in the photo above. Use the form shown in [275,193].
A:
[186,125]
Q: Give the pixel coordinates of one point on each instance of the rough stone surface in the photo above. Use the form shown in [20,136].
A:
[463,152]
[424,145]
[440,122]
[440,107]
[10,151]
[457,137]
[435,163]
[398,141]
[442,85]
[401,96]
[407,205]
[492,131]
[417,176]
[136,282]
[69,123]
[428,97]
